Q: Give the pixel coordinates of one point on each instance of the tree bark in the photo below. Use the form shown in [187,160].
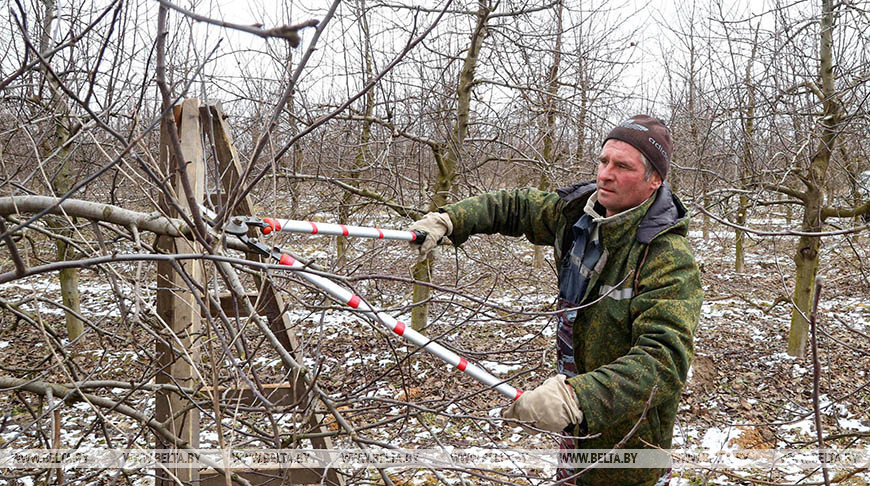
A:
[63,179]
[806,257]
[549,154]
[363,154]
[448,156]
[746,162]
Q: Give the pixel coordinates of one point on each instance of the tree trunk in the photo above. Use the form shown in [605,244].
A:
[740,236]
[549,153]
[69,278]
[807,256]
[746,165]
[696,139]
[362,156]
[706,220]
[581,117]
[806,261]
[62,181]
[447,157]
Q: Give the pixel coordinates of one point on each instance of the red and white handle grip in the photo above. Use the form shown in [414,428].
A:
[398,327]
[312,228]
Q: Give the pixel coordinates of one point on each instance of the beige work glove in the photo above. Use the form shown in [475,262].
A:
[551,406]
[436,226]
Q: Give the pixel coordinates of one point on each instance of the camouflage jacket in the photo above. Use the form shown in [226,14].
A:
[639,335]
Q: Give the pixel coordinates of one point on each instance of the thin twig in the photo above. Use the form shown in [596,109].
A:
[20,267]
[237,194]
[71,395]
[816,377]
[201,232]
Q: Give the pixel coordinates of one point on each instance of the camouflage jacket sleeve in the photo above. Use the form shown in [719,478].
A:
[663,316]
[528,212]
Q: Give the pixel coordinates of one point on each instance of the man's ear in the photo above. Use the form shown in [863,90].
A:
[655,181]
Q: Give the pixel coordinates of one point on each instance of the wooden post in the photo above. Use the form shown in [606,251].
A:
[180,329]
[176,305]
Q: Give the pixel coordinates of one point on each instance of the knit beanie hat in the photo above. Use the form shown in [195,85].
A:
[650,136]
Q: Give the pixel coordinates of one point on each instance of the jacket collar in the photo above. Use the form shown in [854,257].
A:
[665,211]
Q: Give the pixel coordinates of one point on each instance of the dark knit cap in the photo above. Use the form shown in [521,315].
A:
[650,136]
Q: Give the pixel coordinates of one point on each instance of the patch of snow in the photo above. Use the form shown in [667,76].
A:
[716,439]
[798,370]
[208,436]
[4,344]
[680,482]
[853,424]
[499,368]
[82,406]
[804,427]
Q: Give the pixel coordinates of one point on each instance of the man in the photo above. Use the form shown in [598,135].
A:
[629,296]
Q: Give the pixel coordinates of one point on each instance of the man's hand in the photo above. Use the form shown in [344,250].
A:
[551,406]
[436,226]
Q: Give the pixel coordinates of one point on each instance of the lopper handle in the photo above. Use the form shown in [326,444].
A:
[420,237]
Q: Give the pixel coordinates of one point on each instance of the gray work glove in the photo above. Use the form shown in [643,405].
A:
[436,226]
[552,406]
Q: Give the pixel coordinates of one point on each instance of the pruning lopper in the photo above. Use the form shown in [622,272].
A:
[269,225]
[238,226]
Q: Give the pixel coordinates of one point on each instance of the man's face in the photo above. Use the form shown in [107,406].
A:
[621,182]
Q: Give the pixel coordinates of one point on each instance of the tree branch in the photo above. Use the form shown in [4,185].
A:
[398,208]
[781,233]
[837,212]
[396,130]
[343,106]
[20,267]
[153,222]
[287,32]
[785,190]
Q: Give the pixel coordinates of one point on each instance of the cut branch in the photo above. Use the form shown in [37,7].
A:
[154,222]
